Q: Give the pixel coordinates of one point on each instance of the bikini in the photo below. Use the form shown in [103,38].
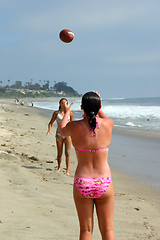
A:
[95,150]
[59,120]
[92,187]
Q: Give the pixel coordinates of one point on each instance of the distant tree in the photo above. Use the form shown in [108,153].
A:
[37,86]
[26,84]
[45,86]
[7,91]
[62,86]
[2,90]
[48,83]
[31,86]
[18,85]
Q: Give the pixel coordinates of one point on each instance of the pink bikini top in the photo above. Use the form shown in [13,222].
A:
[96,150]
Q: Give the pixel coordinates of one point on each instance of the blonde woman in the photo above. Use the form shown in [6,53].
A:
[60,138]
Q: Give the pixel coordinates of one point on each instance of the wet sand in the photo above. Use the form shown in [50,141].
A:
[36,200]
[138,156]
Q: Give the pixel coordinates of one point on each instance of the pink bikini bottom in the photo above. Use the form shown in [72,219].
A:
[92,187]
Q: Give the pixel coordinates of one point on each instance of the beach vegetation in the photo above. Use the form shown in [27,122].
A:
[40,89]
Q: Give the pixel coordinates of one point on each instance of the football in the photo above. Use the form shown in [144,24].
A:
[66,35]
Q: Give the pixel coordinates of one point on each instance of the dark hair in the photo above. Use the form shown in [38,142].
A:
[61,101]
[91,104]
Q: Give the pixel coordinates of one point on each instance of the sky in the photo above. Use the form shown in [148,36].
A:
[116,49]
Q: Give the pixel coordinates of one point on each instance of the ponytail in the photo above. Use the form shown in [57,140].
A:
[91,104]
[92,121]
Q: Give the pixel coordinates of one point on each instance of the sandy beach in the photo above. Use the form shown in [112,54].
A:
[36,200]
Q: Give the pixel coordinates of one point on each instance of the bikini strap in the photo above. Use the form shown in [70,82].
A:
[96,150]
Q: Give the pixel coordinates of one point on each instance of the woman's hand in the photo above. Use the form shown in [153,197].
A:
[49,132]
[98,95]
[66,108]
[64,121]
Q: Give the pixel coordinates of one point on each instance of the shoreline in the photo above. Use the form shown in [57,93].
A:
[141,133]
[118,130]
[32,188]
[137,133]
[130,135]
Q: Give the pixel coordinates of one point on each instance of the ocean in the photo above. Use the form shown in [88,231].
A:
[134,154]
[127,113]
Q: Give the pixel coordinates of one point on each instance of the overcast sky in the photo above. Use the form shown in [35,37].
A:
[116,49]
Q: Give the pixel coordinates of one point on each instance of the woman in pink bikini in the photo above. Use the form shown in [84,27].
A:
[91,137]
[60,139]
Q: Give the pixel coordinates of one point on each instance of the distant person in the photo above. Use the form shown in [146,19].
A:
[93,186]
[60,139]
[16,100]
[32,104]
[22,102]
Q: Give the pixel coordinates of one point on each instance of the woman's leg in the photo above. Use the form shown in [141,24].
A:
[59,142]
[105,209]
[85,207]
[67,153]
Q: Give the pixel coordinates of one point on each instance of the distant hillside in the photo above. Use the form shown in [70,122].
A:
[62,87]
[17,90]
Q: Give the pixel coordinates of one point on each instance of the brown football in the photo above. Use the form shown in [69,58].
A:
[66,35]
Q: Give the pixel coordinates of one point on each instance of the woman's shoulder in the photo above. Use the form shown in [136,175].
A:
[75,127]
[106,124]
[75,123]
[55,113]
[108,121]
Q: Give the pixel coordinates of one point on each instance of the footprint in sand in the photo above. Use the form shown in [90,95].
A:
[137,209]
[49,169]
[145,224]
[34,158]
[3,145]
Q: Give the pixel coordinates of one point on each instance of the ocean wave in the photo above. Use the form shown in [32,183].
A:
[124,115]
[54,105]
[114,99]
[121,111]
[125,111]
[131,124]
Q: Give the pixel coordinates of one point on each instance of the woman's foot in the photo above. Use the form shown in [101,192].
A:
[58,169]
